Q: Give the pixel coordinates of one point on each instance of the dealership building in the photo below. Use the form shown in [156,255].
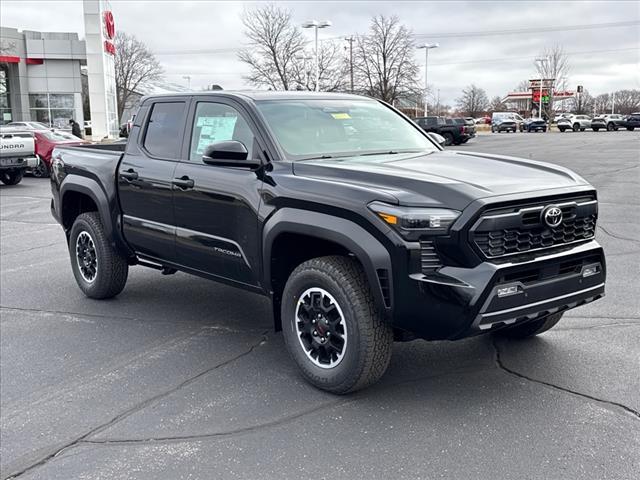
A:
[41,76]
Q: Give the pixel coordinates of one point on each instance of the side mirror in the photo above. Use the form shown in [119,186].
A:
[228,153]
[439,139]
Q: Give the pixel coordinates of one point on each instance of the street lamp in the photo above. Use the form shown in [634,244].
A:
[304,59]
[427,47]
[188,79]
[315,24]
[541,62]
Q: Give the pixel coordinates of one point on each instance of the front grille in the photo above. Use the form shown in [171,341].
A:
[521,229]
[429,259]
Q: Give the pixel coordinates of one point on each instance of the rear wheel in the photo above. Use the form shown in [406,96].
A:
[12,177]
[576,127]
[530,329]
[561,129]
[332,327]
[610,127]
[448,138]
[595,129]
[630,129]
[41,170]
[100,270]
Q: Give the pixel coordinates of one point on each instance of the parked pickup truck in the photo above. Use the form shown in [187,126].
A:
[359,228]
[17,153]
[453,133]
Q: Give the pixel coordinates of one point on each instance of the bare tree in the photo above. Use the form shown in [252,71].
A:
[331,65]
[135,66]
[523,86]
[602,103]
[275,44]
[383,64]
[627,101]
[556,66]
[496,105]
[473,101]
[582,103]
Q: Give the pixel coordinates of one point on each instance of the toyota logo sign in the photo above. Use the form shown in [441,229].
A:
[109,25]
[552,216]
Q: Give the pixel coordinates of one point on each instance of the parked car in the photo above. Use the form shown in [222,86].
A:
[17,153]
[486,120]
[579,122]
[564,124]
[598,123]
[632,121]
[29,125]
[469,127]
[46,141]
[452,133]
[355,225]
[614,122]
[533,125]
[503,122]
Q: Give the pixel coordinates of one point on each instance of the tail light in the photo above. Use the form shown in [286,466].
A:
[462,129]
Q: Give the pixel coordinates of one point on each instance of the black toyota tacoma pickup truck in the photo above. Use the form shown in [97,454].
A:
[358,227]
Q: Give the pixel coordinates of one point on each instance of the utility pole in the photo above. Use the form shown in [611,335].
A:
[613,103]
[427,47]
[351,40]
[315,24]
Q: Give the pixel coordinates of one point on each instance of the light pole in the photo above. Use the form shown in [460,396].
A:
[541,62]
[315,24]
[188,79]
[304,59]
[427,47]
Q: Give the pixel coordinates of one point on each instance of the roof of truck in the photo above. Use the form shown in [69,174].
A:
[265,95]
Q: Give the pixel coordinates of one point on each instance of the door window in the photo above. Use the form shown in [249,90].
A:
[164,130]
[215,122]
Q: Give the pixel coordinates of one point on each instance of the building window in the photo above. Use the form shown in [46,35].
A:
[5,106]
[53,109]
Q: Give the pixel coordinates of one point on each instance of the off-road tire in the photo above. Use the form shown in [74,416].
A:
[112,267]
[11,178]
[530,329]
[370,337]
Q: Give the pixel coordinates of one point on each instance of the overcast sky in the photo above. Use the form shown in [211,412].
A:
[602,59]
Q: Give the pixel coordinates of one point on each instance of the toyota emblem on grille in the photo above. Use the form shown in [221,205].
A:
[552,216]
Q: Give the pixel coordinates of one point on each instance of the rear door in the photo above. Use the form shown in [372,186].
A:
[145,175]
[216,207]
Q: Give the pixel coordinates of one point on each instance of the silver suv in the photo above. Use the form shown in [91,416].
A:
[574,122]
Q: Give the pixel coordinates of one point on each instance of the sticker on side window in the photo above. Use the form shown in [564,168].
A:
[214,129]
[341,116]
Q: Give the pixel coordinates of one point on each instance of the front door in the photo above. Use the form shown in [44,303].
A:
[216,207]
[145,177]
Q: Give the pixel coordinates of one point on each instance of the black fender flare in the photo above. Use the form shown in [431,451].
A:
[367,249]
[90,188]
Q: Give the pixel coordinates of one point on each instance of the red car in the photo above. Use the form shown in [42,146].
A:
[46,141]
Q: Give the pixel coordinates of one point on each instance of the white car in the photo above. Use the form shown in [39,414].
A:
[577,123]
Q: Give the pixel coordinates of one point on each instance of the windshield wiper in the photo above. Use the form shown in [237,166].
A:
[320,157]
[389,152]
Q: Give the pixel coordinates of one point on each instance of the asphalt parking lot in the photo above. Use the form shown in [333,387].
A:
[179,377]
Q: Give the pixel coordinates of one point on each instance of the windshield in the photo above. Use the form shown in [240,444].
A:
[315,128]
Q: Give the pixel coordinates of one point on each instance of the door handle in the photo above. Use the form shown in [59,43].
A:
[130,174]
[183,182]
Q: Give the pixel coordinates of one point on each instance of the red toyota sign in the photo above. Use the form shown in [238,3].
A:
[109,32]
[109,25]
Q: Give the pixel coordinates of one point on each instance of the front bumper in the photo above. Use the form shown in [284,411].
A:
[460,302]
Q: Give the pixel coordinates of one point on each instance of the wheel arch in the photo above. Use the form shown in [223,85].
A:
[324,235]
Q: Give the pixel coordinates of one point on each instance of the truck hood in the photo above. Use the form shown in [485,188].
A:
[448,178]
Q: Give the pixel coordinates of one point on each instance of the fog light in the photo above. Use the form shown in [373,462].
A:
[590,270]
[508,291]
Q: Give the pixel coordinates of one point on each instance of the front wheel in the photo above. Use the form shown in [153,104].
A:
[100,270]
[630,129]
[576,127]
[332,327]
[12,177]
[448,139]
[530,329]
[562,130]
[596,129]
[610,127]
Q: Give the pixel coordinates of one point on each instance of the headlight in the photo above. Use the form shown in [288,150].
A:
[412,222]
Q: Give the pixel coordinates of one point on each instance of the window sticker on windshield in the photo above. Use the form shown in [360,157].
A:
[214,129]
[341,116]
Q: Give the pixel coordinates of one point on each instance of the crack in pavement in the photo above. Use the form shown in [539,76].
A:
[25,222]
[130,411]
[500,364]
[274,423]
[604,325]
[31,248]
[619,237]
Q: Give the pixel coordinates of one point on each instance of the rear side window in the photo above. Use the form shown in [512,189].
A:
[163,137]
